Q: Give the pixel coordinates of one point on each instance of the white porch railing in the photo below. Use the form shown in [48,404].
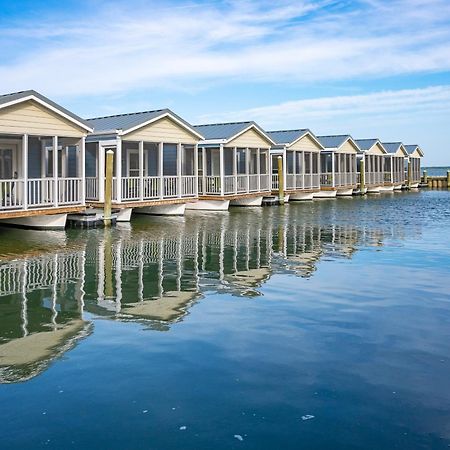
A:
[92,188]
[345,179]
[69,191]
[11,194]
[40,192]
[170,187]
[235,184]
[374,178]
[188,185]
[275,184]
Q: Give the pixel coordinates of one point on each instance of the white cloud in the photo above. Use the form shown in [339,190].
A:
[293,41]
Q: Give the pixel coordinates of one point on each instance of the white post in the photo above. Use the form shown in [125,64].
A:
[222,170]
[24,171]
[247,167]
[161,170]
[55,171]
[119,170]
[204,167]
[179,170]
[141,170]
[258,168]
[285,157]
[294,167]
[235,169]
[82,171]
[101,172]
[333,169]
[196,170]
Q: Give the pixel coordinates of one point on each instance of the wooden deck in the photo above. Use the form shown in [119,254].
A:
[40,212]
[145,203]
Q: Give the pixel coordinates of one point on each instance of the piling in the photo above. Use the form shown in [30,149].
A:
[448,179]
[425,177]
[409,174]
[362,178]
[108,188]
[280,181]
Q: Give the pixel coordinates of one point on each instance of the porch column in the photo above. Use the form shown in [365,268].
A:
[333,169]
[392,168]
[24,171]
[235,169]
[82,170]
[204,167]
[101,172]
[119,170]
[55,171]
[222,170]
[141,170]
[258,168]
[247,167]
[294,168]
[161,170]
[196,170]
[284,170]
[179,170]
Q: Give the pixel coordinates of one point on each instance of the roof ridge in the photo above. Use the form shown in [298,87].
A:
[334,135]
[223,123]
[15,93]
[128,114]
[288,131]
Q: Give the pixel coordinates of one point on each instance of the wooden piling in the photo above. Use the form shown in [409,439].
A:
[448,179]
[280,180]
[108,188]
[409,174]
[425,177]
[362,177]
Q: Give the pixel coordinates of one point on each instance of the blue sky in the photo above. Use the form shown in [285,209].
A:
[370,68]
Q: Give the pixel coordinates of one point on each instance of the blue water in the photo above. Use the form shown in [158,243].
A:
[323,325]
[437,171]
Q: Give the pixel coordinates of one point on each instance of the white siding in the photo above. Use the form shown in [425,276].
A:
[348,148]
[306,144]
[250,139]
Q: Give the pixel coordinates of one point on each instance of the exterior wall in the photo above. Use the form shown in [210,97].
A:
[376,150]
[32,118]
[163,130]
[250,139]
[306,144]
[347,148]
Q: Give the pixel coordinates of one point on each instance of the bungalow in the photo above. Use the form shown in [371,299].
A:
[372,153]
[414,155]
[394,164]
[338,166]
[233,165]
[42,149]
[155,162]
[300,151]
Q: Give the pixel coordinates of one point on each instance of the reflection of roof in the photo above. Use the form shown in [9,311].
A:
[26,357]
[17,97]
[168,308]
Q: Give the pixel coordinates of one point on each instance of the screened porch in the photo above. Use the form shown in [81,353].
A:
[233,170]
[374,169]
[35,176]
[394,169]
[302,170]
[147,171]
[338,169]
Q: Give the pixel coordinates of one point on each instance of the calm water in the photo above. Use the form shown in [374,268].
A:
[323,325]
[436,171]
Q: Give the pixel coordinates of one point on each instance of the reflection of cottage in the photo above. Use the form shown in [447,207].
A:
[372,153]
[233,165]
[155,159]
[41,161]
[300,151]
[415,153]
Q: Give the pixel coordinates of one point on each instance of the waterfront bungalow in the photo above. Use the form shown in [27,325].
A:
[372,153]
[41,161]
[338,166]
[233,165]
[155,162]
[300,151]
[394,164]
[413,173]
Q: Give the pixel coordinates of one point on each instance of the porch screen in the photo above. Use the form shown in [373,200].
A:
[170,160]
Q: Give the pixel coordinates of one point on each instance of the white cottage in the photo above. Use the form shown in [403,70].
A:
[338,166]
[395,162]
[155,162]
[233,165]
[300,151]
[415,154]
[373,154]
[41,161]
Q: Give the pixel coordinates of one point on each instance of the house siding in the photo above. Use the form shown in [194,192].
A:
[306,144]
[250,139]
[347,148]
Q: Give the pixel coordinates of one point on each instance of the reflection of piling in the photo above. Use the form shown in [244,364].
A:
[362,178]
[280,180]
[108,265]
[108,188]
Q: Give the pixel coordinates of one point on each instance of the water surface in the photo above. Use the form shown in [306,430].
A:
[323,325]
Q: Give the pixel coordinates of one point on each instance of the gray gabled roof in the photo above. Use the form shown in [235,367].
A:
[227,131]
[334,142]
[287,137]
[392,147]
[412,148]
[129,121]
[366,144]
[17,97]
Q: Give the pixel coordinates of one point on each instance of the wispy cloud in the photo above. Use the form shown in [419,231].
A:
[149,46]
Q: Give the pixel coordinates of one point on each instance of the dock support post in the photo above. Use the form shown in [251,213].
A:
[448,179]
[409,181]
[425,177]
[280,180]
[362,177]
[108,188]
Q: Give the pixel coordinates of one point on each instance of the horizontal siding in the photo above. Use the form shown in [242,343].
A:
[348,148]
[32,118]
[163,130]
[250,139]
[306,144]
[376,150]
[415,154]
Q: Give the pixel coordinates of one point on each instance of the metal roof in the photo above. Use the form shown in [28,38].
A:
[129,121]
[366,144]
[392,147]
[15,97]
[412,148]
[286,137]
[334,141]
[227,131]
